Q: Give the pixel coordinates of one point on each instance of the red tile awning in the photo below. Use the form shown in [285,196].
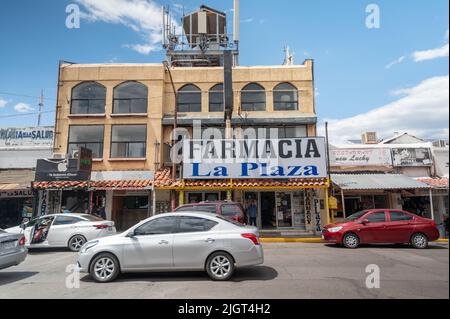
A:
[439,183]
[121,185]
[59,185]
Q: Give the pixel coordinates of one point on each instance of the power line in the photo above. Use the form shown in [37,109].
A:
[24,95]
[23,114]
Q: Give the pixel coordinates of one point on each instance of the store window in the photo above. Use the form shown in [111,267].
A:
[253,98]
[128,141]
[136,202]
[88,136]
[130,98]
[285,97]
[88,98]
[216,98]
[189,99]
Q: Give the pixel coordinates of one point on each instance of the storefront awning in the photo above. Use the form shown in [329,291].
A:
[436,183]
[59,185]
[16,179]
[121,185]
[376,182]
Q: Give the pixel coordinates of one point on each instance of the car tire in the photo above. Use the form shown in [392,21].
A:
[104,268]
[76,242]
[220,266]
[419,241]
[351,241]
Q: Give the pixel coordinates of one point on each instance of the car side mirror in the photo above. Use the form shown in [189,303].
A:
[23,225]
[131,234]
[365,221]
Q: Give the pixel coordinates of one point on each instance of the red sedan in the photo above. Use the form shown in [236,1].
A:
[385,226]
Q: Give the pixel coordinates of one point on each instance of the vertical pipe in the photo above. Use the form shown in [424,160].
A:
[153,200]
[431,203]
[327,207]
[343,203]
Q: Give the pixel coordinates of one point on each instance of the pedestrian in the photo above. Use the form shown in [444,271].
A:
[252,212]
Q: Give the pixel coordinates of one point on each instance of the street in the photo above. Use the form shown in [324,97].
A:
[290,271]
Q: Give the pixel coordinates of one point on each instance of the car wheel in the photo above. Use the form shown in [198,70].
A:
[104,268]
[419,241]
[76,242]
[220,266]
[351,241]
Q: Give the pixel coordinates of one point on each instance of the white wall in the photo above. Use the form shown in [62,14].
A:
[10,159]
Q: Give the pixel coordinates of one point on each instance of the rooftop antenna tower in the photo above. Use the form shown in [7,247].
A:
[201,39]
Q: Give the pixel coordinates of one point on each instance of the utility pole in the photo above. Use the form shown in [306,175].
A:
[41,105]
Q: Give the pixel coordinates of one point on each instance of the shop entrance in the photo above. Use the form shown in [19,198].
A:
[268,210]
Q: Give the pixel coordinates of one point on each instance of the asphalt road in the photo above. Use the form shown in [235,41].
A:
[291,271]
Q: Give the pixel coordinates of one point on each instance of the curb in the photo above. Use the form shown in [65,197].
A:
[312,240]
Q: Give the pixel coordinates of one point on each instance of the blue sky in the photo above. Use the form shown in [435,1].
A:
[394,78]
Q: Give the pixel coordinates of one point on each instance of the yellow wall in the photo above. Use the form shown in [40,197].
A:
[161,100]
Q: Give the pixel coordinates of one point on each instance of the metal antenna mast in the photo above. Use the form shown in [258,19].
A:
[41,105]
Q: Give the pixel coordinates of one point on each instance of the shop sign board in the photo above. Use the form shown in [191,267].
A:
[14,137]
[56,170]
[361,157]
[84,160]
[16,193]
[255,159]
[411,157]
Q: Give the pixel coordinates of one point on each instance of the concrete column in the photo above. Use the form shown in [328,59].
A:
[431,204]
[109,204]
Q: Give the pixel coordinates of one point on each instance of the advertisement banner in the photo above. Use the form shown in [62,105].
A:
[411,157]
[53,170]
[255,159]
[361,157]
[14,137]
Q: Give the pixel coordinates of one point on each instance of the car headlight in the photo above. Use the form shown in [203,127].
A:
[88,246]
[335,229]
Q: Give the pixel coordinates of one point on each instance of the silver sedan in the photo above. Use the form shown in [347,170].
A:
[12,249]
[174,242]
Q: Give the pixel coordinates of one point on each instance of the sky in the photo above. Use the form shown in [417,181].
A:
[392,78]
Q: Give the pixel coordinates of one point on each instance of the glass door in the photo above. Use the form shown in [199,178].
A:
[284,210]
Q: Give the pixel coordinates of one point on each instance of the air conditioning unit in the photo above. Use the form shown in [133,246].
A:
[369,138]
[74,153]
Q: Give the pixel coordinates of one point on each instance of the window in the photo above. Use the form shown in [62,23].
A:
[285,97]
[128,141]
[292,132]
[216,99]
[400,216]
[66,220]
[377,217]
[130,97]
[159,226]
[195,224]
[253,98]
[88,136]
[136,202]
[88,98]
[189,99]
[231,210]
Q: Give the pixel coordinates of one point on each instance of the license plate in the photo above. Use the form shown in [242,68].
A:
[7,246]
[110,228]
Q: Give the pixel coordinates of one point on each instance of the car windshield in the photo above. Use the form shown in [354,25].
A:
[92,218]
[356,216]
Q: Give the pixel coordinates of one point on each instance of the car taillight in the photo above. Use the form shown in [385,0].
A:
[252,237]
[22,241]
[103,226]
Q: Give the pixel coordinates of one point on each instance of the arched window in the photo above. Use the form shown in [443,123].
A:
[130,97]
[285,97]
[216,98]
[189,99]
[88,98]
[253,98]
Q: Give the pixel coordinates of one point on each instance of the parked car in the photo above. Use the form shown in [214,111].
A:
[12,249]
[227,209]
[382,226]
[174,242]
[63,230]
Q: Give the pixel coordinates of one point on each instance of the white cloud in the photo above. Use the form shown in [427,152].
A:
[3,103]
[249,20]
[441,52]
[425,55]
[421,110]
[398,61]
[142,16]
[23,108]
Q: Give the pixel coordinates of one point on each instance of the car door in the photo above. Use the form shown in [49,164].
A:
[375,228]
[150,248]
[400,227]
[62,229]
[193,241]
